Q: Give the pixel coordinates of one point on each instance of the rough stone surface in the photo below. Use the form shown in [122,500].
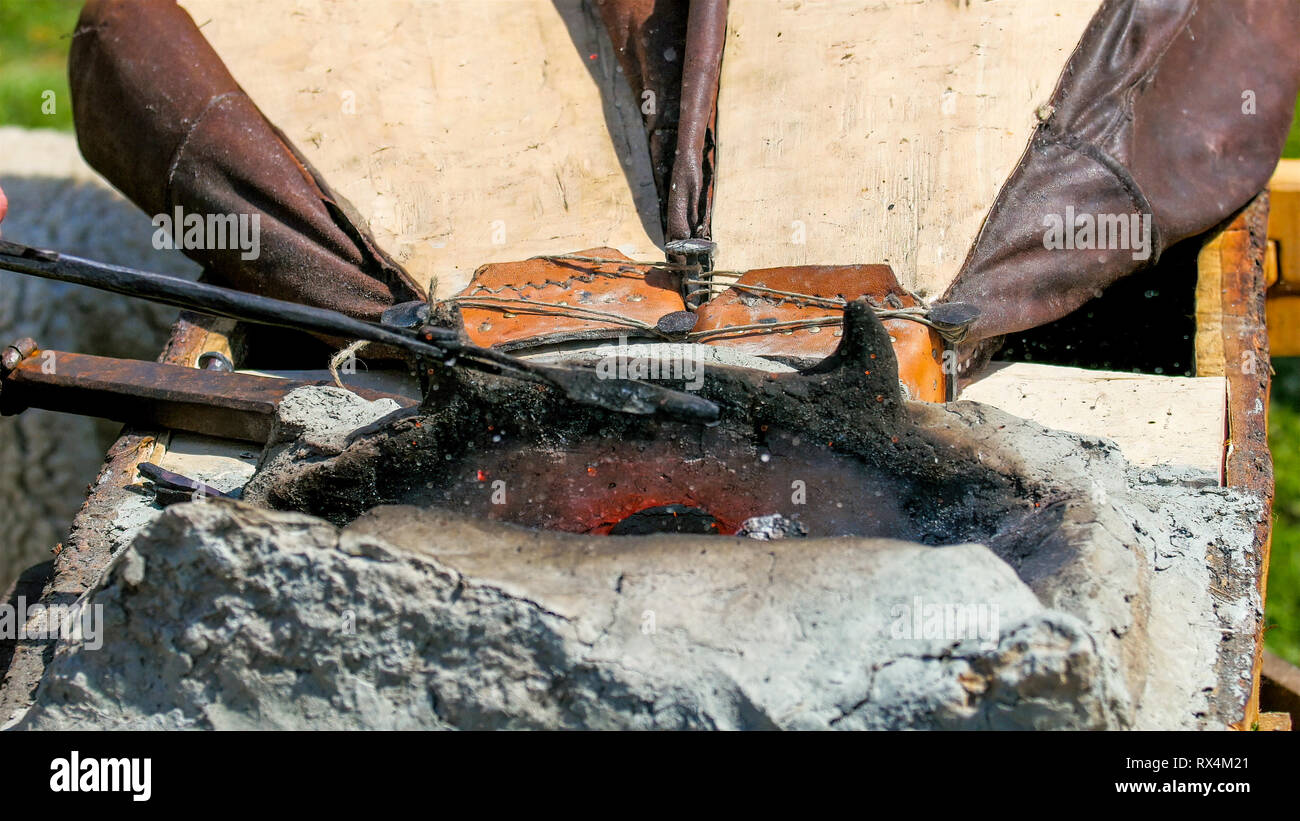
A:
[56,201]
[224,615]
[321,418]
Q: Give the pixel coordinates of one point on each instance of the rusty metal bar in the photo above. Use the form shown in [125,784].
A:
[149,394]
[427,342]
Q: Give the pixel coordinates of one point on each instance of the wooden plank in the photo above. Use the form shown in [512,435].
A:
[1154,419]
[1279,689]
[878,130]
[1283,320]
[463,132]
[1283,260]
[1209,312]
[1274,722]
[1284,219]
[1241,250]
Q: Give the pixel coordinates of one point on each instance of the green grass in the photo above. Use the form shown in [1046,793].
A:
[34,41]
[1282,613]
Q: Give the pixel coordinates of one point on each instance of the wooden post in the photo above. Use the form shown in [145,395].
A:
[1232,340]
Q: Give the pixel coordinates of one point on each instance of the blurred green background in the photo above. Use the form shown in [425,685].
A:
[1282,614]
[34,40]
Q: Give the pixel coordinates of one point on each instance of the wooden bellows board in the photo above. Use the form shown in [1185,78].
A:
[464,132]
[470,132]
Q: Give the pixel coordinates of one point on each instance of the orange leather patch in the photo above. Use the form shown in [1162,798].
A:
[509,304]
[555,299]
[918,348]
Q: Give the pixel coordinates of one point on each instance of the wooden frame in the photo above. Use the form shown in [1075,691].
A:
[1232,341]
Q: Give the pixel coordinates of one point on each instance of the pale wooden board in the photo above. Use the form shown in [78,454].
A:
[1154,419]
[224,464]
[1284,218]
[470,117]
[1283,256]
[885,127]
[1209,309]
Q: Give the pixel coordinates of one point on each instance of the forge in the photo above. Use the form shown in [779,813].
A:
[834,448]
[839,516]
[816,551]
[505,557]
[767,547]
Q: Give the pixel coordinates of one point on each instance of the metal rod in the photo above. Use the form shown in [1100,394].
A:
[208,299]
[149,394]
[428,342]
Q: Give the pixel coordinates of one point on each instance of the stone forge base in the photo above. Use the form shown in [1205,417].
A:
[1099,615]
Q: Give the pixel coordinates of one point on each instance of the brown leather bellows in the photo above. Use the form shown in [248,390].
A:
[791,314]
[1173,109]
[1150,118]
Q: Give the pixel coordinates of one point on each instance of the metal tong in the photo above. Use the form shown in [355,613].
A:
[426,342]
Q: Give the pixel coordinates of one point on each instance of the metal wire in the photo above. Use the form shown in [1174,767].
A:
[524,305]
[917,313]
